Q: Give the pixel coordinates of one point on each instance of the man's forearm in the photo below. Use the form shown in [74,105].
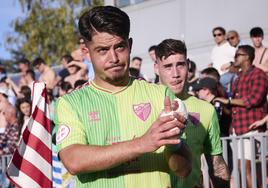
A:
[218,171]
[180,161]
[87,158]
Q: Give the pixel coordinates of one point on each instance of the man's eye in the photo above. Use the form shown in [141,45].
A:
[103,50]
[120,48]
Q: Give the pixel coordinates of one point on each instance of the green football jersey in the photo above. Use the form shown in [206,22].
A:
[202,136]
[95,116]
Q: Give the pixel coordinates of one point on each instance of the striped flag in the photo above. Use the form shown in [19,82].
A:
[31,164]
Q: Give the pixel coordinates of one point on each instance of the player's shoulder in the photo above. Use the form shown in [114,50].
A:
[202,104]
[145,84]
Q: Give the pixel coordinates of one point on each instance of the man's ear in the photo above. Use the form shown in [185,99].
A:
[130,41]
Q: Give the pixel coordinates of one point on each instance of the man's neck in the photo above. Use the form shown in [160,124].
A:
[112,86]
[246,67]
[259,48]
[183,95]
[221,43]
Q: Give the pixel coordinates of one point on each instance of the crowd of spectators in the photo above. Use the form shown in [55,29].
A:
[235,83]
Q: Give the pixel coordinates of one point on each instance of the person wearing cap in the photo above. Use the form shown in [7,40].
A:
[261,52]
[202,130]
[206,89]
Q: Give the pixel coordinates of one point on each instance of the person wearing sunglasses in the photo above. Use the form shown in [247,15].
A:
[222,53]
[233,38]
[247,102]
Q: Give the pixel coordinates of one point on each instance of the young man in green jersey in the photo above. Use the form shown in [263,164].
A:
[110,132]
[202,131]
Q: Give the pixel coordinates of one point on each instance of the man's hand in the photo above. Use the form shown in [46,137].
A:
[165,130]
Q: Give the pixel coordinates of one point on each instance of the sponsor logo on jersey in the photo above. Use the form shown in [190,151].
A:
[94,116]
[142,110]
[62,133]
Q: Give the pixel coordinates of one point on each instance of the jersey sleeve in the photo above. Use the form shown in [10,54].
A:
[70,129]
[212,143]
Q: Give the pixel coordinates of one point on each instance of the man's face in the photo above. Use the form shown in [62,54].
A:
[172,72]
[233,39]
[136,64]
[110,57]
[219,37]
[257,41]
[240,57]
[23,67]
[40,67]
[202,93]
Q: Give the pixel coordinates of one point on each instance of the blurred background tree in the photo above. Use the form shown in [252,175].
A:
[48,30]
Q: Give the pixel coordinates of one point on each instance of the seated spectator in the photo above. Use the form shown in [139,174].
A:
[23,106]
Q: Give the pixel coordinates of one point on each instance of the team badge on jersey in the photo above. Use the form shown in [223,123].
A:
[142,110]
[62,133]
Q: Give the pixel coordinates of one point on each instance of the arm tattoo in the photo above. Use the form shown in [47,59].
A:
[218,171]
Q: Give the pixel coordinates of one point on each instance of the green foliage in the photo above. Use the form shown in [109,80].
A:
[49,30]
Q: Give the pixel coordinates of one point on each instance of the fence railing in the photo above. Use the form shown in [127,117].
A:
[259,161]
[4,160]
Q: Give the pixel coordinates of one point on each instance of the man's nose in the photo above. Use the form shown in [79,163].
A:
[113,56]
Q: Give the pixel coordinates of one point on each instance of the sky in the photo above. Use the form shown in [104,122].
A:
[9,10]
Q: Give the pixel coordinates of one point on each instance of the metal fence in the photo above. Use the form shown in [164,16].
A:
[259,161]
[4,160]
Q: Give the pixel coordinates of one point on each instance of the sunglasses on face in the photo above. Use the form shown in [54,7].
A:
[239,54]
[231,38]
[217,34]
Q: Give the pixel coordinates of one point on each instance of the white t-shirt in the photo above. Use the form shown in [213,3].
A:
[222,54]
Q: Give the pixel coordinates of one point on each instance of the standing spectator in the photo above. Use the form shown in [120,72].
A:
[203,135]
[23,65]
[223,53]
[9,134]
[248,101]
[261,52]
[110,132]
[47,74]
[234,39]
[207,89]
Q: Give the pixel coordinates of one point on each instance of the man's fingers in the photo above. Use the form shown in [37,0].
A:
[175,105]
[167,105]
